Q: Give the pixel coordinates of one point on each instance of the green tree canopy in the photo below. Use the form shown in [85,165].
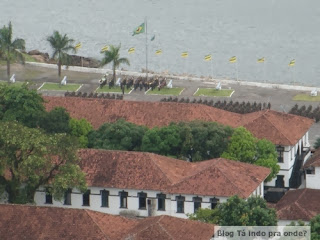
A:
[61,45]
[10,49]
[30,159]
[244,147]
[113,56]
[21,104]
[56,121]
[238,212]
[80,129]
[316,145]
[120,135]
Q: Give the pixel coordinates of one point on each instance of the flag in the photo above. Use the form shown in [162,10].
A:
[158,52]
[131,50]
[77,46]
[292,63]
[154,36]
[208,57]
[139,29]
[184,54]
[233,59]
[105,48]
[260,60]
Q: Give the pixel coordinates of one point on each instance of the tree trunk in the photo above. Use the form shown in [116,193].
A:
[59,68]
[114,73]
[8,68]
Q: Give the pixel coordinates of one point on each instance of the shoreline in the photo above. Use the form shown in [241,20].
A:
[206,80]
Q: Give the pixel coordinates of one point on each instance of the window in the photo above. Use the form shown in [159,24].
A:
[67,197]
[214,202]
[48,196]
[161,202]
[180,204]
[86,198]
[142,200]
[280,151]
[197,203]
[311,170]
[104,198]
[123,199]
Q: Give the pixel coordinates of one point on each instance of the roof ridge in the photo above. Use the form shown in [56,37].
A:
[154,162]
[263,115]
[189,176]
[88,213]
[211,165]
[159,223]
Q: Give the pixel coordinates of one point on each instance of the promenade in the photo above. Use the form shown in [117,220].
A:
[280,96]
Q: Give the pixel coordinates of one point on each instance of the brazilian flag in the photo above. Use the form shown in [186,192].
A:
[292,62]
[158,52]
[208,57]
[139,29]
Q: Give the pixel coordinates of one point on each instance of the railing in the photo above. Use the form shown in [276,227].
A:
[295,180]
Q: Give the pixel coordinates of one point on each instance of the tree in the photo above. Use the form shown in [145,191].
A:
[244,147]
[10,49]
[21,104]
[315,228]
[120,135]
[113,55]
[56,121]
[238,212]
[80,129]
[61,44]
[30,159]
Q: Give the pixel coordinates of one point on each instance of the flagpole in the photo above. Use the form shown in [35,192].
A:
[237,69]
[211,69]
[146,49]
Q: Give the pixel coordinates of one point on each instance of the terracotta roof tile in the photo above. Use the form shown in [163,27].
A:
[167,227]
[40,223]
[314,161]
[148,171]
[279,128]
[301,204]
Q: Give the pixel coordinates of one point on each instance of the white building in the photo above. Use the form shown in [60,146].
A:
[289,133]
[312,171]
[146,184]
[301,204]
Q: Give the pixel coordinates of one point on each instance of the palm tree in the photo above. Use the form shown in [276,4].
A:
[10,50]
[61,44]
[112,55]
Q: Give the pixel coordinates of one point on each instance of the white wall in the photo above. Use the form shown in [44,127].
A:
[313,180]
[133,201]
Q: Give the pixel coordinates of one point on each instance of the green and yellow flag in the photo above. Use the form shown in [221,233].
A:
[292,62]
[139,29]
[77,46]
[208,57]
[105,48]
[260,60]
[233,59]
[131,50]
[184,54]
[159,52]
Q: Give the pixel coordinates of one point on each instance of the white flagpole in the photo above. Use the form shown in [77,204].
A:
[146,48]
[237,69]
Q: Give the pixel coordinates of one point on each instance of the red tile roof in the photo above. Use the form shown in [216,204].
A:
[301,204]
[33,222]
[148,171]
[279,128]
[171,228]
[314,161]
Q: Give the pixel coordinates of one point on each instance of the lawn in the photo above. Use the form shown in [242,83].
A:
[175,91]
[114,89]
[15,84]
[306,97]
[58,87]
[212,92]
